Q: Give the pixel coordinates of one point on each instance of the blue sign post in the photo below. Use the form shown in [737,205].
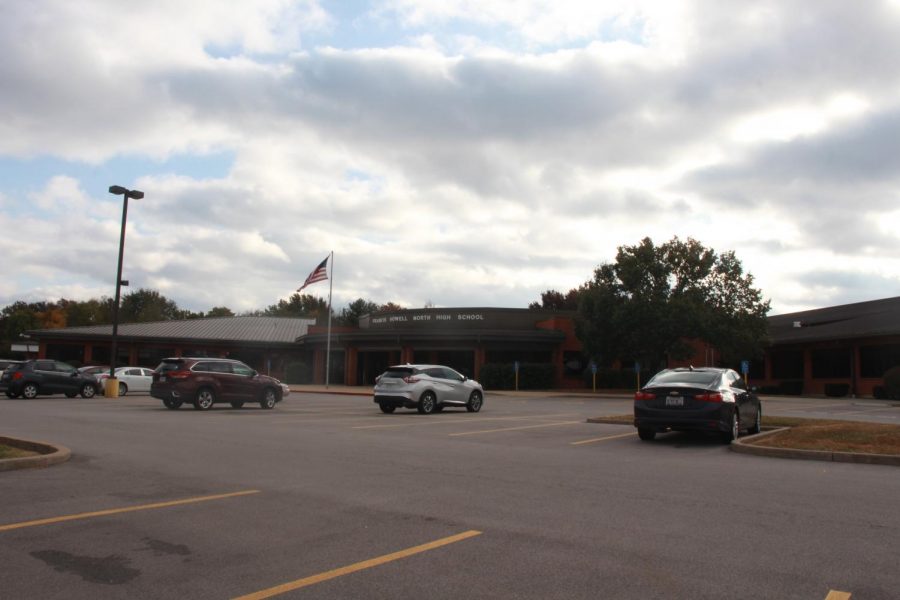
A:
[745,369]
[637,372]
[594,374]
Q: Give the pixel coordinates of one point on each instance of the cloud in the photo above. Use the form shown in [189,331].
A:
[487,152]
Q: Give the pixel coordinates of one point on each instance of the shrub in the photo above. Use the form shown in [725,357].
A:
[879,392]
[892,382]
[297,372]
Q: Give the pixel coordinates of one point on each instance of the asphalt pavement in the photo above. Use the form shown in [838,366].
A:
[326,497]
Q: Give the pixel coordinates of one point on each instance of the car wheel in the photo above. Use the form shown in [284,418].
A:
[237,404]
[269,399]
[757,424]
[30,391]
[205,399]
[648,435]
[475,402]
[71,394]
[88,390]
[427,403]
[172,404]
[735,430]
[386,408]
[123,389]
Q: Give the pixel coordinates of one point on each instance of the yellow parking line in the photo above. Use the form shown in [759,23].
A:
[469,420]
[514,428]
[835,595]
[366,564]
[603,439]
[114,511]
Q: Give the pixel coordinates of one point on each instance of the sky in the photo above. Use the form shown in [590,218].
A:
[453,153]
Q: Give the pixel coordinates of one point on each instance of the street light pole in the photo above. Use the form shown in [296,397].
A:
[126,194]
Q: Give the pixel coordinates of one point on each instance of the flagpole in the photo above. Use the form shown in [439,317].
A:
[328,343]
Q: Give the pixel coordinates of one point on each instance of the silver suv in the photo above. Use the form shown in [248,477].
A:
[427,388]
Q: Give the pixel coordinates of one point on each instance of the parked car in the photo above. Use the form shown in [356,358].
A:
[701,399]
[5,362]
[131,379]
[206,381]
[427,388]
[40,377]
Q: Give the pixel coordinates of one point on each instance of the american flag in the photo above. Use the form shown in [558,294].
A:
[320,273]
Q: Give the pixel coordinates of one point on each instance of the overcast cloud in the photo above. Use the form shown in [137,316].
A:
[457,152]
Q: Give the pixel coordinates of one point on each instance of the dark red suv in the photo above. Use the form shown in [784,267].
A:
[206,381]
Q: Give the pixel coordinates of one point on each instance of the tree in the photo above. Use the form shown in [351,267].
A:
[554,300]
[390,307]
[359,307]
[654,300]
[146,305]
[219,311]
[299,305]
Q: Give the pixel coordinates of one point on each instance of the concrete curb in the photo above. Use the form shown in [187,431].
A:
[746,446]
[49,454]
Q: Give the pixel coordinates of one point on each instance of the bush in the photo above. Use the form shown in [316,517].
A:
[879,392]
[502,376]
[298,372]
[892,382]
[837,390]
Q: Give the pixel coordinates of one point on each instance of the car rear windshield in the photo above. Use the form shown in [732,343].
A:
[399,372]
[691,377]
[170,365]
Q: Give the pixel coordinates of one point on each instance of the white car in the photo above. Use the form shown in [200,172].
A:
[427,388]
[131,379]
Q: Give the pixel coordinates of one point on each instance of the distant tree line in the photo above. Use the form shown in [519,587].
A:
[145,305]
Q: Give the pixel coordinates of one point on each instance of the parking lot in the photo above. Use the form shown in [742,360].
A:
[326,497]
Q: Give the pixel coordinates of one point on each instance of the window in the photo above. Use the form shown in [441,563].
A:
[64,368]
[875,360]
[44,365]
[241,369]
[830,363]
[787,364]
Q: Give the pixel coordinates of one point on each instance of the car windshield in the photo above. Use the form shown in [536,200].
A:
[693,377]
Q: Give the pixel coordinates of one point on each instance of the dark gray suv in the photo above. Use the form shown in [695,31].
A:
[42,376]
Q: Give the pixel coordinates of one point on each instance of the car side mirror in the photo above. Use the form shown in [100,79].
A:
[254,373]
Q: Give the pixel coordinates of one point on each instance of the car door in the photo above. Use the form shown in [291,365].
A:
[456,384]
[244,382]
[65,378]
[746,406]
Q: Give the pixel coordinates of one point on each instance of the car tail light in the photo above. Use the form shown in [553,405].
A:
[178,374]
[709,397]
[17,375]
[644,396]
[410,379]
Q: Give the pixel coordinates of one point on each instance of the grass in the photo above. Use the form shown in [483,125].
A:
[819,434]
[10,452]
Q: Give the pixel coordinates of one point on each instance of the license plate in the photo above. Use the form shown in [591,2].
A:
[162,377]
[674,401]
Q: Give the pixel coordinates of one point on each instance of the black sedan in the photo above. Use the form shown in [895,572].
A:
[696,399]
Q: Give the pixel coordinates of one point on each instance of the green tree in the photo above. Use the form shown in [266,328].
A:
[653,300]
[146,305]
[554,300]
[351,313]
[299,305]
[220,311]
